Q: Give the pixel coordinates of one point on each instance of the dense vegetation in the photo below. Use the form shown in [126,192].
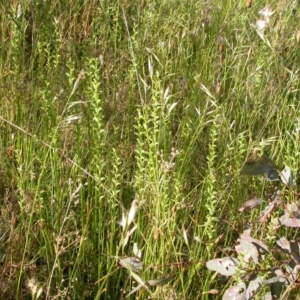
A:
[124,126]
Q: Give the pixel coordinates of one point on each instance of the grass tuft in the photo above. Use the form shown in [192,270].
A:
[123,131]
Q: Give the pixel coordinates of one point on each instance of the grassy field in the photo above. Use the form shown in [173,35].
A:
[124,126]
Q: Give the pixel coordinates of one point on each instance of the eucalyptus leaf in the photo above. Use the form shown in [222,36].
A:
[259,244]
[131,264]
[236,292]
[287,176]
[161,281]
[266,214]
[276,289]
[251,204]
[294,246]
[253,288]
[292,209]
[290,222]
[249,250]
[284,245]
[260,166]
[225,266]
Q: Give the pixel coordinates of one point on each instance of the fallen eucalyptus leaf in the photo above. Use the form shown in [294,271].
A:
[161,281]
[272,280]
[225,266]
[268,210]
[284,245]
[259,244]
[253,288]
[290,222]
[249,251]
[131,264]
[266,214]
[276,289]
[292,209]
[294,246]
[287,176]
[236,292]
[251,204]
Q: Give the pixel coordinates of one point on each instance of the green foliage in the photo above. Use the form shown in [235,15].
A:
[124,128]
